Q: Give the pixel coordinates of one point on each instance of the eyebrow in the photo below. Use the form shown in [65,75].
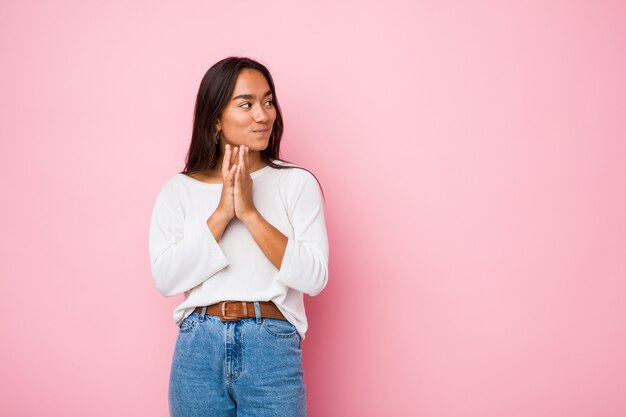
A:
[251,96]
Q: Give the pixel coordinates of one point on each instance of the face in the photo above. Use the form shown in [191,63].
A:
[249,111]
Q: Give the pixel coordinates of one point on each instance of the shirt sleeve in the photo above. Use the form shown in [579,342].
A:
[181,258]
[305,263]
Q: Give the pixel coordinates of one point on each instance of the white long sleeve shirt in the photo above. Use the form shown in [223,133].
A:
[186,259]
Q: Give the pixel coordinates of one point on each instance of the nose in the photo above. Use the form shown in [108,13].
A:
[260,115]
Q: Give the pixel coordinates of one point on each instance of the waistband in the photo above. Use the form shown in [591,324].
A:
[233,310]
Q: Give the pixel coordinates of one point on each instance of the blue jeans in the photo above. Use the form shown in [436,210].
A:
[245,368]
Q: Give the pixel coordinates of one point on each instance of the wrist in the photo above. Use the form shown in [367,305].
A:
[250,217]
[221,215]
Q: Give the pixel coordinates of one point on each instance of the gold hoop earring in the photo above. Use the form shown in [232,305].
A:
[217,137]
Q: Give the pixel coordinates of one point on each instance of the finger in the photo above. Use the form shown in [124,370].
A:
[241,155]
[248,161]
[231,174]
[238,176]
[234,156]
[226,160]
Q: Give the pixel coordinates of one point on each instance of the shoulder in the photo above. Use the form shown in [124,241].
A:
[298,183]
[173,186]
[172,192]
[295,175]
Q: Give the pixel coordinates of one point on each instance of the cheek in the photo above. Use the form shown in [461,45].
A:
[240,119]
[236,125]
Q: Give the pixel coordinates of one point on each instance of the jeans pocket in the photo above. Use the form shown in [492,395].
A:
[187,325]
[279,328]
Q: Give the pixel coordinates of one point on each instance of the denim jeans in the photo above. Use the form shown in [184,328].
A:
[251,367]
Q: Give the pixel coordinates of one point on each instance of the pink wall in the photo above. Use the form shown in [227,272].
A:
[473,157]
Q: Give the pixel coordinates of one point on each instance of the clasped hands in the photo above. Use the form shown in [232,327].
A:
[236,199]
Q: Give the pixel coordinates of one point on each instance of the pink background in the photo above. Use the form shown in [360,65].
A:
[473,158]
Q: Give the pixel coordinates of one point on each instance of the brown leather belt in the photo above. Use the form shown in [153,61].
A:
[231,310]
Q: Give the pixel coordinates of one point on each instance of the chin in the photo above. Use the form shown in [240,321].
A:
[260,146]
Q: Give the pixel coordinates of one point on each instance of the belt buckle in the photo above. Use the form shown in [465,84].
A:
[225,317]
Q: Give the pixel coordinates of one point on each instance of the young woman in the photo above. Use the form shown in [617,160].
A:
[241,234]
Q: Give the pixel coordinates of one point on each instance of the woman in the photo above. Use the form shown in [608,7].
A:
[241,233]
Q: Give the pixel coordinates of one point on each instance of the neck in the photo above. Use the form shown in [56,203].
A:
[255,161]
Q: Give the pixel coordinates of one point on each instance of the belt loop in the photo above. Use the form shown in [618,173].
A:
[257,310]
[202,314]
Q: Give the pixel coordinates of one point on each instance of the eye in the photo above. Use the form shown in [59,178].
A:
[246,103]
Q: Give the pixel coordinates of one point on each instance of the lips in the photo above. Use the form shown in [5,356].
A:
[262,130]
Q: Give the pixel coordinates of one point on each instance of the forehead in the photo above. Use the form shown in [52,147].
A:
[250,81]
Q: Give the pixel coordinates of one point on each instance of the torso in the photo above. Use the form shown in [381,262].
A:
[213,177]
[210,178]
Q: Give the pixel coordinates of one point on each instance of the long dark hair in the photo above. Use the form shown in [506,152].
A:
[214,94]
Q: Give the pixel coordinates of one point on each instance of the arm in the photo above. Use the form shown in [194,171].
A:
[271,241]
[217,223]
[302,261]
[182,259]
